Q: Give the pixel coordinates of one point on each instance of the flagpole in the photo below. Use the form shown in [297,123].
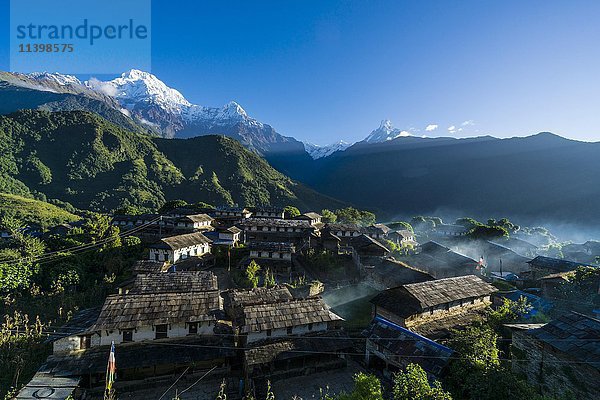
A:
[111,370]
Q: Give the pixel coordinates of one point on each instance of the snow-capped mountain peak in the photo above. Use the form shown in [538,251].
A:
[385,132]
[316,151]
[57,78]
[135,86]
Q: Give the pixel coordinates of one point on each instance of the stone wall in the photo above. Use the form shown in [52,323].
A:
[551,371]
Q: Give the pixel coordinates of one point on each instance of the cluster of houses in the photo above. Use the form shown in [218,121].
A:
[176,315]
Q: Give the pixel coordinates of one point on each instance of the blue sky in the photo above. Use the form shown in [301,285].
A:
[328,70]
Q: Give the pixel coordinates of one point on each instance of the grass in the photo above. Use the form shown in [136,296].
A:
[34,211]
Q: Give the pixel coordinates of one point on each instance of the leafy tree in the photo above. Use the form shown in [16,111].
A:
[509,311]
[400,225]
[487,232]
[291,211]
[350,215]
[128,210]
[468,223]
[252,273]
[171,205]
[412,384]
[366,387]
[328,216]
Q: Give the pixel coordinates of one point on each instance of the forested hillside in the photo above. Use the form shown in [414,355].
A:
[83,159]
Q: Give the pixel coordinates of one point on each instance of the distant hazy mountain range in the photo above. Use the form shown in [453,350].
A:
[391,172]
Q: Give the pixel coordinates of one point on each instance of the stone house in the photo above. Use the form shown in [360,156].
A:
[147,316]
[268,212]
[174,249]
[367,246]
[449,230]
[441,261]
[281,319]
[561,358]
[293,231]
[312,217]
[430,308]
[542,266]
[271,250]
[194,222]
[377,231]
[403,237]
[225,236]
[344,231]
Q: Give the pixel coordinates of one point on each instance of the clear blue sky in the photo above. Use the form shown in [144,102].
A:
[328,70]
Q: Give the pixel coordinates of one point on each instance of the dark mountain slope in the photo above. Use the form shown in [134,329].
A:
[541,176]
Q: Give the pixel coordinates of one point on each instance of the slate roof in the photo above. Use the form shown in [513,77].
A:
[268,209]
[271,246]
[309,215]
[414,298]
[181,241]
[344,227]
[405,233]
[147,267]
[394,273]
[377,228]
[48,386]
[174,282]
[363,241]
[399,341]
[260,317]
[273,222]
[197,218]
[137,310]
[280,349]
[555,264]
[231,229]
[574,334]
[260,295]
[81,322]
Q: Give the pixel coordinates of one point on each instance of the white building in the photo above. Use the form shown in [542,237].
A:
[181,247]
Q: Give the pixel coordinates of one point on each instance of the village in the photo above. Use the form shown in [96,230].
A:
[249,298]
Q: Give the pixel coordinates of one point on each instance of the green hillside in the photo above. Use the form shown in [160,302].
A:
[34,211]
[83,159]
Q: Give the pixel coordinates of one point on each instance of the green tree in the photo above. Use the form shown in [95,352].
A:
[509,311]
[487,232]
[328,216]
[350,215]
[468,223]
[412,384]
[171,205]
[291,211]
[252,273]
[366,387]
[269,280]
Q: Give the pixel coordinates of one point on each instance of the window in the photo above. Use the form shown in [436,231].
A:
[193,328]
[161,331]
[280,255]
[128,335]
[260,253]
[310,327]
[270,254]
[290,330]
[268,332]
[85,342]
